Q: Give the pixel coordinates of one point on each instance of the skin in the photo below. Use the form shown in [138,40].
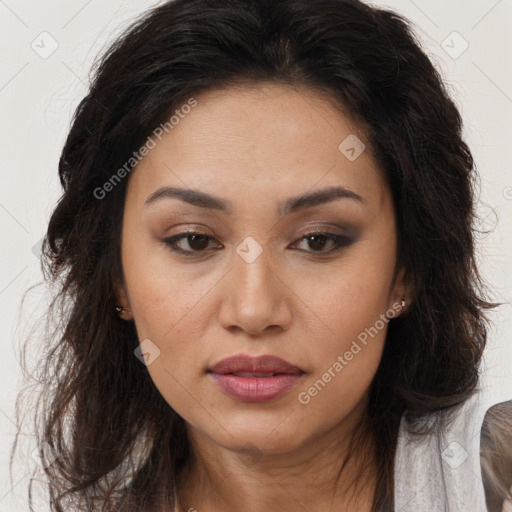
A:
[256,147]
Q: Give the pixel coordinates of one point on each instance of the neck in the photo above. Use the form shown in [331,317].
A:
[308,478]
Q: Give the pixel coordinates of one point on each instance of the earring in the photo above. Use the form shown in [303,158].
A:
[121,310]
[403,302]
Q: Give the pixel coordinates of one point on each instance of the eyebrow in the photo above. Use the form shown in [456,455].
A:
[291,205]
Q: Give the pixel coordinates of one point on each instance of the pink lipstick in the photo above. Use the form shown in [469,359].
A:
[255,379]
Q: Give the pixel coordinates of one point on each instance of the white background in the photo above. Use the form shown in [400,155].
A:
[38,96]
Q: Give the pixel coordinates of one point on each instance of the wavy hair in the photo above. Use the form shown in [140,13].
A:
[120,446]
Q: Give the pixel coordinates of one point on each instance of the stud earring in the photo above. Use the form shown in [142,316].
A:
[403,301]
[122,311]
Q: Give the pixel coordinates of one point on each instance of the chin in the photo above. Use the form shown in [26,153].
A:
[266,437]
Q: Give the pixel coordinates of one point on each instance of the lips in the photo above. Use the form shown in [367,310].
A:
[255,379]
[246,366]
[252,374]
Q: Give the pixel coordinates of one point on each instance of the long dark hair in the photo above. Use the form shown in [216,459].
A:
[120,446]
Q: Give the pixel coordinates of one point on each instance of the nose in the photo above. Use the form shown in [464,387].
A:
[255,299]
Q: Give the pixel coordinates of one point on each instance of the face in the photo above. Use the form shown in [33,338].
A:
[307,280]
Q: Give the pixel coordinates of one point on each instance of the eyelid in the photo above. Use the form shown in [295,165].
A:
[323,229]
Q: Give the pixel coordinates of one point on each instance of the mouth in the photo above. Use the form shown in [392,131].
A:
[243,365]
[257,375]
[255,379]
[256,388]
[253,374]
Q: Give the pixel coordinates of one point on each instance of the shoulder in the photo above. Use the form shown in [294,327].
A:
[496,454]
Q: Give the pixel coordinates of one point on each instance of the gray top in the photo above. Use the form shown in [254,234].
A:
[441,471]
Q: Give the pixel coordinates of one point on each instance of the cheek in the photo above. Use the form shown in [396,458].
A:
[162,294]
[352,306]
[347,355]
[163,302]
[353,295]
[348,351]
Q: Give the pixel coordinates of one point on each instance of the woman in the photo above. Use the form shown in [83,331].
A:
[267,275]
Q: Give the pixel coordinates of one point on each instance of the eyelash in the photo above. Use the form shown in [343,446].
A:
[340,242]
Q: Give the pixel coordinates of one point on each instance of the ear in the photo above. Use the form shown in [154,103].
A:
[122,301]
[122,297]
[401,293]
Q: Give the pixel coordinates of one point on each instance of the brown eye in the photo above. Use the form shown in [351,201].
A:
[317,241]
[197,242]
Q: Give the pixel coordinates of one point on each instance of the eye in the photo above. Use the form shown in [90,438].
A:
[318,240]
[198,242]
[195,240]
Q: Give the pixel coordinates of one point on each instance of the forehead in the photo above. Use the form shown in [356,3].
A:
[267,140]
